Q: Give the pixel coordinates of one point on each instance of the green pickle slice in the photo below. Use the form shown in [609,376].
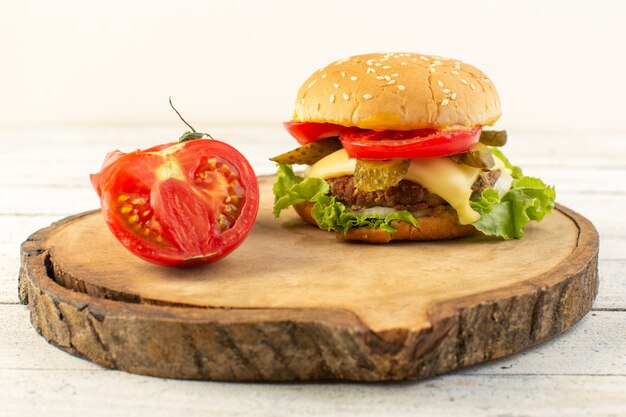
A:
[378,175]
[310,153]
[477,158]
[493,137]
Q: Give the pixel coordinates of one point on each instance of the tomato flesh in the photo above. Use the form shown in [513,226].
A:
[179,204]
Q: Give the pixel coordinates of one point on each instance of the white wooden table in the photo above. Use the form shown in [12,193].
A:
[582,372]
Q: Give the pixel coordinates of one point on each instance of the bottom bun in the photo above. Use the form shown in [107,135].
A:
[440,224]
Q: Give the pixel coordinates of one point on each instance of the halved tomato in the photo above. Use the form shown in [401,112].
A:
[423,143]
[179,203]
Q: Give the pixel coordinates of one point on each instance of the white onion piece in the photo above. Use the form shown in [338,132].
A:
[385,211]
[421,213]
[503,184]
[376,210]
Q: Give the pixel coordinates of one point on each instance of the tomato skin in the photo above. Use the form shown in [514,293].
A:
[388,144]
[307,132]
[423,143]
[179,204]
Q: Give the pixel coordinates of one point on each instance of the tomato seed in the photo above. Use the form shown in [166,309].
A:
[126,209]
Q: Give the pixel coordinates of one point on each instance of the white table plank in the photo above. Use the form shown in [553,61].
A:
[93,393]
[612,291]
[581,372]
[67,156]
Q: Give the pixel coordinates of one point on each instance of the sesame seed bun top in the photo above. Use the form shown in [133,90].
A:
[398,91]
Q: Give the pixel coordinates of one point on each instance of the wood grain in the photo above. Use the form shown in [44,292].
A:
[446,305]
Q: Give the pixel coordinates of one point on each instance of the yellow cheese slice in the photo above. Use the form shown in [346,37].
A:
[334,165]
[449,180]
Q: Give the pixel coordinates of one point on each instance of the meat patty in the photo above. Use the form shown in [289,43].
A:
[407,195]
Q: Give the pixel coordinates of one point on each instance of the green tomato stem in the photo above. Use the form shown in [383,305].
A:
[188,135]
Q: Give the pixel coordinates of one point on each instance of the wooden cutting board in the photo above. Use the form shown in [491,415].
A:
[293,303]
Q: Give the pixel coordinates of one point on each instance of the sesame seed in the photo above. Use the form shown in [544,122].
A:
[437,62]
[386,67]
[445,90]
[402,63]
[343,74]
[413,59]
[444,102]
[457,66]
[431,69]
[335,85]
[353,78]
[454,72]
[485,80]
[380,77]
[453,96]
[384,59]
[387,77]
[423,58]
[440,83]
[395,75]
[323,76]
[302,101]
[464,82]
[378,64]
[391,82]
[401,87]
[312,83]
[406,54]
[472,86]
[332,98]
[372,70]
[367,96]
[346,96]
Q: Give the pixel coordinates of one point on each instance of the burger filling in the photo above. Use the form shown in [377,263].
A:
[479,183]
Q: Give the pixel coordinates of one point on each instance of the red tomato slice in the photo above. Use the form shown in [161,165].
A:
[307,132]
[423,143]
[179,204]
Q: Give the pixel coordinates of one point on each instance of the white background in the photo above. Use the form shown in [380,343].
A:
[80,78]
[557,65]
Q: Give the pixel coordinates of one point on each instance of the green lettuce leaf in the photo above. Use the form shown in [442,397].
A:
[330,214]
[528,199]
[290,189]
